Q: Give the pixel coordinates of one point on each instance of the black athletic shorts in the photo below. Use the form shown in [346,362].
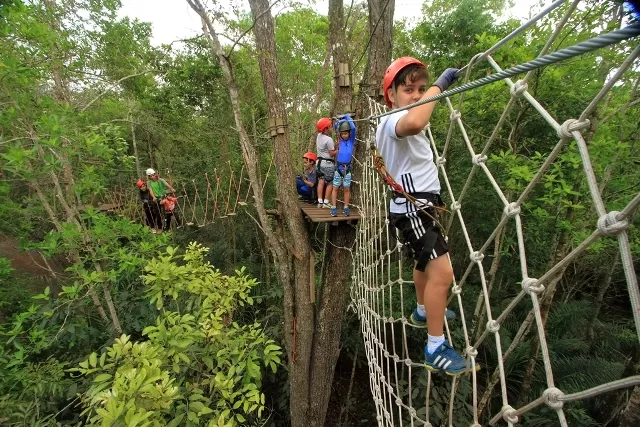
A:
[422,234]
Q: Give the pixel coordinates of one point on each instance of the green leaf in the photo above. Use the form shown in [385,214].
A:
[93,360]
[176,421]
[102,378]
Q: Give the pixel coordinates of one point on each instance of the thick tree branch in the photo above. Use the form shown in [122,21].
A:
[100,95]
[250,28]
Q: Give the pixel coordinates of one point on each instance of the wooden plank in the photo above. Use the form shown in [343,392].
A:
[316,214]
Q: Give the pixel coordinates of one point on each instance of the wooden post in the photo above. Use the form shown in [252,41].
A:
[312,276]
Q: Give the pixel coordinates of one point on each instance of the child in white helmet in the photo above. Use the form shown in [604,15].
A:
[159,189]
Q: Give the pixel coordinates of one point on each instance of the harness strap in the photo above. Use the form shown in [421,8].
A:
[347,168]
[432,198]
[320,160]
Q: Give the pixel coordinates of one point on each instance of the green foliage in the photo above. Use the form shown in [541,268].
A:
[202,366]
[195,347]
[13,292]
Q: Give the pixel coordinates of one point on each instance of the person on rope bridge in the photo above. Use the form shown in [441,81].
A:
[405,149]
[151,211]
[159,189]
[306,183]
[157,185]
[168,203]
[326,165]
[346,130]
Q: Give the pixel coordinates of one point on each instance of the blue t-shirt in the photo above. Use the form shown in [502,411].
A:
[345,147]
[311,175]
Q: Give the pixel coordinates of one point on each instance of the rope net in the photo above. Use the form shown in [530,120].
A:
[404,391]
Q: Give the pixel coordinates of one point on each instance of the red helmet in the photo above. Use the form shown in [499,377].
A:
[140,183]
[310,156]
[323,123]
[393,70]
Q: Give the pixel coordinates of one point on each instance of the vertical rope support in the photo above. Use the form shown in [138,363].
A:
[206,204]
[215,198]
[196,199]
[235,205]
[231,184]
[187,202]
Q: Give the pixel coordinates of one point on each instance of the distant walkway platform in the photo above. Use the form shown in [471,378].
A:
[316,214]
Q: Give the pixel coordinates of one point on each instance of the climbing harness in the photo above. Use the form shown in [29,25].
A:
[343,169]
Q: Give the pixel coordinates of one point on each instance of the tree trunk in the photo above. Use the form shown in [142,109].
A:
[318,97]
[308,373]
[342,88]
[379,58]
[135,147]
[331,307]
[631,413]
[602,290]
[290,242]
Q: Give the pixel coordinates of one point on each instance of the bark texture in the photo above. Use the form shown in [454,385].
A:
[631,413]
[381,32]
[342,95]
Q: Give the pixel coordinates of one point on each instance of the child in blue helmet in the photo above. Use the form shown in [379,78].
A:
[345,146]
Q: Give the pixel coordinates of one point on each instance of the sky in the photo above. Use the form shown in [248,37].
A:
[175,20]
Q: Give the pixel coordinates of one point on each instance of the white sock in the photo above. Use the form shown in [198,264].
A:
[421,311]
[326,201]
[320,201]
[434,342]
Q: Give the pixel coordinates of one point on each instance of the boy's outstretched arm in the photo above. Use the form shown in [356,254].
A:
[417,118]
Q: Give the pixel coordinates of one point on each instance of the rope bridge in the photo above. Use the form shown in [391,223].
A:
[200,202]
[379,292]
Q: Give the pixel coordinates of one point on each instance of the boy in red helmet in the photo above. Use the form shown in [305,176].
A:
[306,183]
[409,159]
[326,151]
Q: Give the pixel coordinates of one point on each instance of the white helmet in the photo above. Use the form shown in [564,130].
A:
[150,172]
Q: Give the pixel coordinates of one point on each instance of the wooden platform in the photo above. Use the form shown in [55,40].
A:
[316,214]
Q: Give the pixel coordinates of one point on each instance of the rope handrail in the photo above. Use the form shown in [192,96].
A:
[586,46]
[192,208]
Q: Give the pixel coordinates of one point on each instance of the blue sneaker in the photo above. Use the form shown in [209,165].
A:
[334,211]
[416,319]
[446,359]
[421,321]
[346,211]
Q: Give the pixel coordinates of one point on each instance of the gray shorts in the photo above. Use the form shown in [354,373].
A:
[326,170]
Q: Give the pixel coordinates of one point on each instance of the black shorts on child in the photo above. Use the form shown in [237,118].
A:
[422,234]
